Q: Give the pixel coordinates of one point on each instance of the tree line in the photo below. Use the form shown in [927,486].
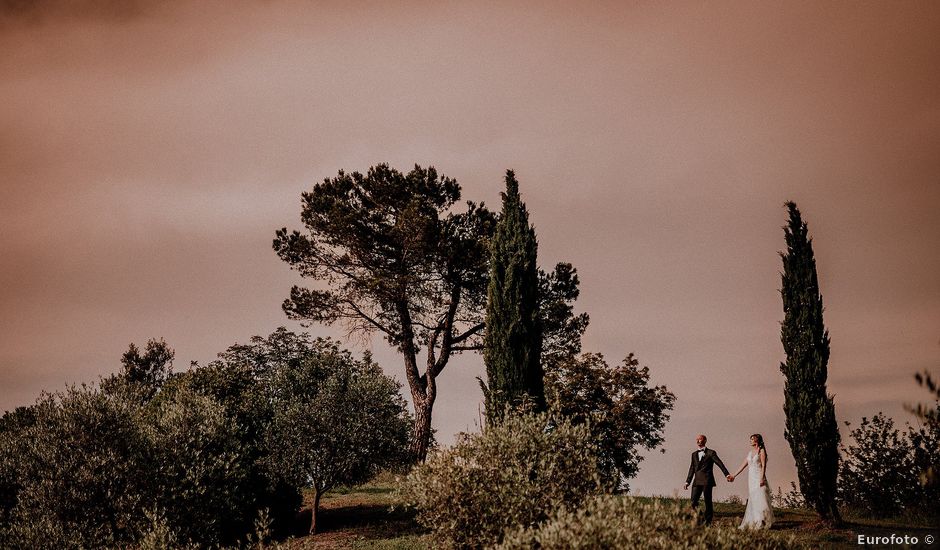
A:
[217,453]
[223,452]
[204,454]
[396,255]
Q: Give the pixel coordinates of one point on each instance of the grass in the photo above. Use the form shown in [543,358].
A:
[807,529]
[363,518]
[367,518]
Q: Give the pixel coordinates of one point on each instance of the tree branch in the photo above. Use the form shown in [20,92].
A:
[470,332]
[371,321]
[467,348]
[448,326]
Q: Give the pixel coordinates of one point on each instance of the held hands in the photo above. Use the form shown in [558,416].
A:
[730,478]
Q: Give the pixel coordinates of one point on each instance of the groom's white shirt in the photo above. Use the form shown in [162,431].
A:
[701,453]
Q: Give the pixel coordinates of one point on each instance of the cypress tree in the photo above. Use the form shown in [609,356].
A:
[512,346]
[811,428]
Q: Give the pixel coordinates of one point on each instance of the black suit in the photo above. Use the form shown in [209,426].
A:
[701,472]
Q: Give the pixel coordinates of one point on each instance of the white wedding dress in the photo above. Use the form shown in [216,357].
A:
[759,513]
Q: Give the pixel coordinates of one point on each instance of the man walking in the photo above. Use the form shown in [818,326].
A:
[701,476]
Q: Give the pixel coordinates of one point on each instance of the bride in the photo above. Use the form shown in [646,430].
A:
[759,514]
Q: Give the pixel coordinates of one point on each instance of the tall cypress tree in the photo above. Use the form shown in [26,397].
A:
[513,342]
[811,428]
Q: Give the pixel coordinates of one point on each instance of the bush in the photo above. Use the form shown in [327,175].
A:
[791,499]
[81,474]
[238,384]
[878,475]
[160,535]
[925,450]
[199,468]
[90,465]
[12,424]
[625,522]
[514,474]
[195,459]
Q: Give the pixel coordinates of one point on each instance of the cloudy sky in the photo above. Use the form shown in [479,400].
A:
[148,152]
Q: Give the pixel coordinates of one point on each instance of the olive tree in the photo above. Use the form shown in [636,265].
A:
[337,421]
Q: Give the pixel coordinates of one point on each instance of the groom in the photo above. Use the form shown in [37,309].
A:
[700,470]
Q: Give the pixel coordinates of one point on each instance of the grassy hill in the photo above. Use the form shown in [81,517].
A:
[368,518]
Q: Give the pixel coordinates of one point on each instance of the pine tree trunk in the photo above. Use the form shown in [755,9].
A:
[421,436]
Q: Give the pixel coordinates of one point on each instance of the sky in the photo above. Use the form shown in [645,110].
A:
[149,151]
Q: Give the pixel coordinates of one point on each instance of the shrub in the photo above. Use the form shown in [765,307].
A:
[12,424]
[160,535]
[197,458]
[199,468]
[90,464]
[513,474]
[925,449]
[877,475]
[238,385]
[791,499]
[625,522]
[82,472]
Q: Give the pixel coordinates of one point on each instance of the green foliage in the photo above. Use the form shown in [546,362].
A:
[337,421]
[144,373]
[160,535]
[880,473]
[624,412]
[624,522]
[561,328]
[241,379]
[83,472]
[151,368]
[513,474]
[929,414]
[12,448]
[791,499]
[877,473]
[925,443]
[811,428]
[513,341]
[197,458]
[393,257]
[199,468]
[92,464]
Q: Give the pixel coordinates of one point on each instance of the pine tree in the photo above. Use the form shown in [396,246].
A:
[512,346]
[811,428]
